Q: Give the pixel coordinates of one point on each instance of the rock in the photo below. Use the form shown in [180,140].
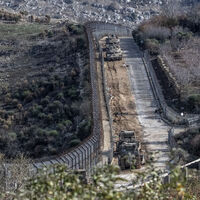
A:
[68,1]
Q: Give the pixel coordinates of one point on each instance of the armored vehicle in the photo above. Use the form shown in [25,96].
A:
[113,57]
[129,151]
[112,48]
[112,40]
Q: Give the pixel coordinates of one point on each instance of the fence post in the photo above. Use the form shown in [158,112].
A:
[199,168]
[186,173]
[166,179]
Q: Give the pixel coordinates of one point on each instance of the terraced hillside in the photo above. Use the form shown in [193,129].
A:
[45,88]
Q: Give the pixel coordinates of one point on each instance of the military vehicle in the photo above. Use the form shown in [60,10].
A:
[129,151]
[113,57]
[113,39]
[112,48]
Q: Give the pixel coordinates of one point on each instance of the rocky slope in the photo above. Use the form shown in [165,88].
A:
[127,12]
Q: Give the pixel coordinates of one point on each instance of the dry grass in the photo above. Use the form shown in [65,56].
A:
[20,31]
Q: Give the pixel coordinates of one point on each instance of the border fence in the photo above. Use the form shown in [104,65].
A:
[107,101]
[88,154]
[171,115]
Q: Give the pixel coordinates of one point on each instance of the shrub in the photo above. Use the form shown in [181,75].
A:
[152,45]
[53,133]
[194,101]
[42,115]
[67,123]
[45,101]
[156,32]
[57,182]
[12,136]
[48,118]
[40,131]
[76,29]
[26,94]
[81,43]
[74,142]
[60,127]
[52,150]
[36,109]
[84,129]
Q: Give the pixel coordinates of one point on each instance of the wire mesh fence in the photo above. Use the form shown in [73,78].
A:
[88,155]
[171,115]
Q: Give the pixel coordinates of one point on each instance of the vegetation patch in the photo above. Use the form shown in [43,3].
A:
[45,94]
[190,142]
[174,36]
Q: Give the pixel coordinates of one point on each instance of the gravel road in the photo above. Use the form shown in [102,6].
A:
[155,130]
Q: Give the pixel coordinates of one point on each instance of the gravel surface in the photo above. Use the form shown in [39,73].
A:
[115,11]
[155,130]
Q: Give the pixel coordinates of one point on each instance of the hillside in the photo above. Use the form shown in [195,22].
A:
[45,86]
[173,41]
[127,12]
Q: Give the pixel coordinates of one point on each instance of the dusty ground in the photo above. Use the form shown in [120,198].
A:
[122,103]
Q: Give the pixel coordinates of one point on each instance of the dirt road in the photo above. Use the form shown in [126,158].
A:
[122,106]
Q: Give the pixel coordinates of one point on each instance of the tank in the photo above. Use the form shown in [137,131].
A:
[112,39]
[112,48]
[113,56]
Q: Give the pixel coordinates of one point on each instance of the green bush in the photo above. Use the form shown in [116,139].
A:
[45,101]
[194,102]
[81,43]
[84,129]
[53,133]
[74,142]
[67,123]
[152,45]
[76,29]
[60,127]
[57,182]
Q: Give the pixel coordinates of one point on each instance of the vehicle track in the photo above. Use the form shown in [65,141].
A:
[155,130]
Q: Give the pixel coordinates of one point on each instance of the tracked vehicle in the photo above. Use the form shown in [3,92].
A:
[112,48]
[129,151]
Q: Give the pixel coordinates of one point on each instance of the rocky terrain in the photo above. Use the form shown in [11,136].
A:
[127,12]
